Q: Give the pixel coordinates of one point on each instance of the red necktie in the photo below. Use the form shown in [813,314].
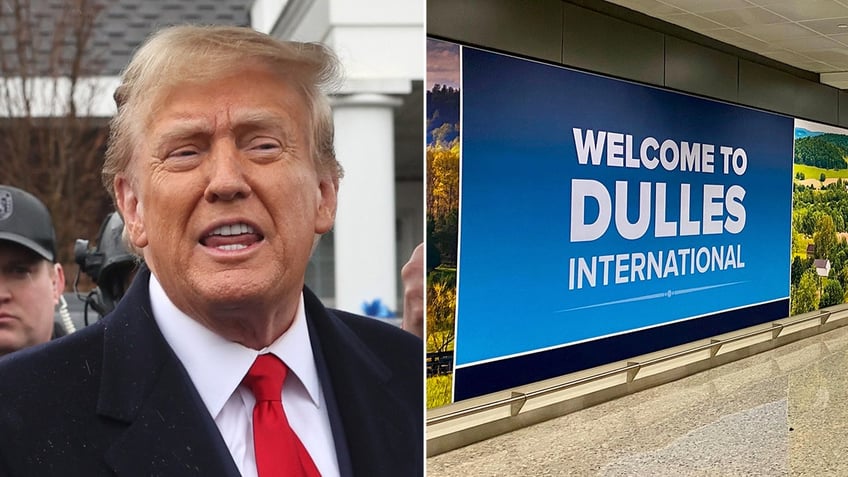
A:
[278,450]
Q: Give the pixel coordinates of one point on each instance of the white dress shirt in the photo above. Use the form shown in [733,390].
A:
[216,366]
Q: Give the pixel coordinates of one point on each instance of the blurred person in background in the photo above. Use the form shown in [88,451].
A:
[109,264]
[31,279]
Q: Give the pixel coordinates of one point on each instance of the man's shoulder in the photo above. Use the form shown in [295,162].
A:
[367,341]
[374,327]
[371,330]
[384,339]
[47,390]
[65,360]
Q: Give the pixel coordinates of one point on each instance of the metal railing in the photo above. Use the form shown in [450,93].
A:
[518,399]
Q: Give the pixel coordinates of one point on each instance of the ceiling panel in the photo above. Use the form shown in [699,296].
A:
[744,16]
[807,34]
[692,21]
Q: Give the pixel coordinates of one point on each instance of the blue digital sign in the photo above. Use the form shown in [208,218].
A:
[593,207]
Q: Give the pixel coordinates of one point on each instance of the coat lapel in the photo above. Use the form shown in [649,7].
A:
[378,444]
[145,388]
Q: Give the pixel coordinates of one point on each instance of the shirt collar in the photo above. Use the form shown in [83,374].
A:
[215,365]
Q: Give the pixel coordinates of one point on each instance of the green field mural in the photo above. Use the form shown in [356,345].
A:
[819,271]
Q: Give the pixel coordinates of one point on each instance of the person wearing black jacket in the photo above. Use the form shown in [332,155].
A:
[31,279]
[221,163]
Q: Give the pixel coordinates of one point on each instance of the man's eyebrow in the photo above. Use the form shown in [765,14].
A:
[180,128]
[26,261]
[258,119]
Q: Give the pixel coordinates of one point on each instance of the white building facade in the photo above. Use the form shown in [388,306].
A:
[379,124]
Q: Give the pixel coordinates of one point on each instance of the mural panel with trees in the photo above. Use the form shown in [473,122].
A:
[442,216]
[819,217]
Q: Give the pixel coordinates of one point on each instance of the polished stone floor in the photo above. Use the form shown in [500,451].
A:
[780,413]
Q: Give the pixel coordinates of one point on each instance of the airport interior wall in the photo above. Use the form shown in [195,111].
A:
[604,38]
[599,37]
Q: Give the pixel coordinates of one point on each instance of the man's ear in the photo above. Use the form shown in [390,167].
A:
[58,281]
[132,211]
[328,190]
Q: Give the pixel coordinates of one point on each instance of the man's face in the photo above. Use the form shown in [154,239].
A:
[29,291]
[223,196]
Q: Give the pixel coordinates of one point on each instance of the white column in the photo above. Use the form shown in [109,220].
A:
[365,264]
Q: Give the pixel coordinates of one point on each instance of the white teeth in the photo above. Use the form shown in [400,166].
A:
[233,229]
[236,246]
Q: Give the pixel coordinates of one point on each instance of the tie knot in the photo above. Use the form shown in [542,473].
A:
[265,378]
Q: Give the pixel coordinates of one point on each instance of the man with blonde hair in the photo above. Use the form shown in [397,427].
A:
[218,360]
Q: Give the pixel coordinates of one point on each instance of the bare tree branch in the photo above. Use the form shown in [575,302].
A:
[52,147]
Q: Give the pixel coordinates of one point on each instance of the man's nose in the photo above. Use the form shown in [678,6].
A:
[5,289]
[227,176]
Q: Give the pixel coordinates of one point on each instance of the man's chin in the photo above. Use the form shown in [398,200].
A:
[9,345]
[230,292]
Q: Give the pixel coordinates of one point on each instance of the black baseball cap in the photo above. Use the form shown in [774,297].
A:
[25,220]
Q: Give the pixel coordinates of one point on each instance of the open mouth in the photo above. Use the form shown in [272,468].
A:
[232,237]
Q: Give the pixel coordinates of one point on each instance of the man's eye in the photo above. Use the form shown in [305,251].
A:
[17,272]
[264,144]
[183,152]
